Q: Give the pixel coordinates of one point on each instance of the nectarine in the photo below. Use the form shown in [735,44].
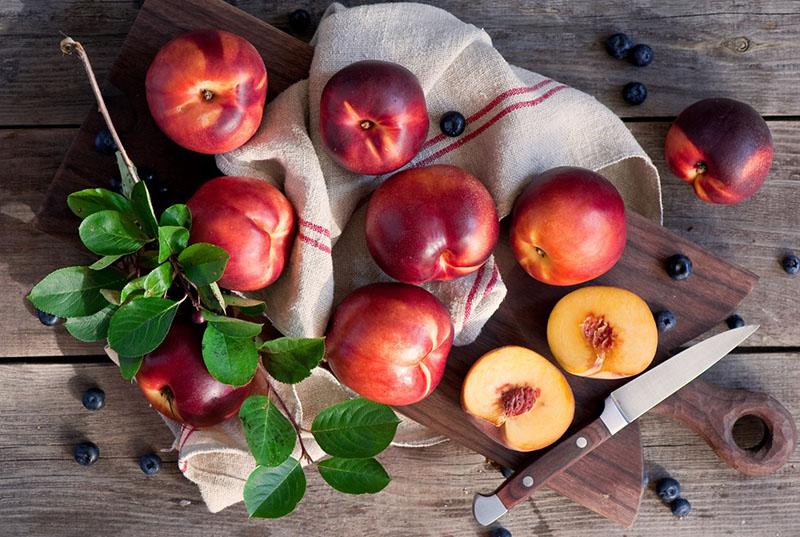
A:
[568,226]
[602,332]
[252,221]
[525,400]
[389,342]
[433,223]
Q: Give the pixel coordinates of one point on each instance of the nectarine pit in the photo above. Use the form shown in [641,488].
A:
[599,334]
[517,400]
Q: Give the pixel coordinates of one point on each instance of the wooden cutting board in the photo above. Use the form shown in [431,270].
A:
[609,480]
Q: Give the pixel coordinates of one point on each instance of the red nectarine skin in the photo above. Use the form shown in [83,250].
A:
[568,226]
[206,90]
[389,342]
[251,220]
[373,117]
[175,381]
[722,147]
[433,223]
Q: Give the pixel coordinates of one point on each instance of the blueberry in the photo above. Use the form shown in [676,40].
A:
[46,318]
[665,320]
[116,184]
[150,463]
[86,453]
[506,471]
[299,21]
[618,45]
[634,93]
[681,507]
[156,188]
[668,489]
[104,143]
[641,55]
[679,267]
[453,123]
[791,264]
[94,399]
[500,532]
[734,321]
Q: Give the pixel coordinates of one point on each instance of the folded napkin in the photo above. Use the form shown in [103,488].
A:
[519,123]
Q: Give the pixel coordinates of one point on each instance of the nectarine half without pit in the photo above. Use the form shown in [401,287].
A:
[252,221]
[431,223]
[523,400]
[206,90]
[568,226]
[602,332]
[722,147]
[389,342]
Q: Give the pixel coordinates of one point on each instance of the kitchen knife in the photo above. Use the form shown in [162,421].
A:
[622,406]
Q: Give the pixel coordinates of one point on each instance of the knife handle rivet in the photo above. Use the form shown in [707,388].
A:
[581,442]
[527,481]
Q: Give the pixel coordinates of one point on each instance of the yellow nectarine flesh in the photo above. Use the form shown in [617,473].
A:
[520,393]
[602,332]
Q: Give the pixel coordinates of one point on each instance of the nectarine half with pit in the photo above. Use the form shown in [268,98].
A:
[522,397]
[602,332]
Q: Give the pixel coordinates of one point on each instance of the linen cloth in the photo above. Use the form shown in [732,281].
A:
[519,123]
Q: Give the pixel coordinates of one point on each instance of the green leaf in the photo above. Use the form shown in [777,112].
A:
[230,360]
[211,297]
[274,492]
[248,306]
[75,291]
[111,296]
[92,327]
[140,326]
[148,259]
[171,240]
[231,326]
[203,263]
[177,215]
[129,366]
[111,233]
[93,200]
[270,435]
[133,288]
[105,261]
[290,360]
[128,181]
[143,208]
[354,476]
[158,280]
[355,429]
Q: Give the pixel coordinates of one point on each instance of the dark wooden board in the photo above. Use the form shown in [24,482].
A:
[714,290]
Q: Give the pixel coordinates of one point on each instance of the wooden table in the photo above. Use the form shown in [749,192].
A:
[746,50]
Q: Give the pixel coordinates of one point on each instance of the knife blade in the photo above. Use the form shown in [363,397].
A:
[623,406]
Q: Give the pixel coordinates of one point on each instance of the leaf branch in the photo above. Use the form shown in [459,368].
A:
[303,451]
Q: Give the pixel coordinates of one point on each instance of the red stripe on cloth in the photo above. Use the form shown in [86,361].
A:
[183,466]
[315,243]
[316,227]
[500,115]
[486,109]
[492,281]
[190,430]
[472,291]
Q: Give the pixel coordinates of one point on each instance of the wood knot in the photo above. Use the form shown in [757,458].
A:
[738,44]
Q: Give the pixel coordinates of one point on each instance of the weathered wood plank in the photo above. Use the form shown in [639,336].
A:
[45,493]
[747,50]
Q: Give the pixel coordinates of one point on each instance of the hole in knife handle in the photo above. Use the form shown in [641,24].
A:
[750,433]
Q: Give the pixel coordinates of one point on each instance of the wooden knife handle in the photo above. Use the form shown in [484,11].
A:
[527,480]
[711,411]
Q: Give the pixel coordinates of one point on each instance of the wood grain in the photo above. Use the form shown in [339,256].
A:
[746,50]
[44,493]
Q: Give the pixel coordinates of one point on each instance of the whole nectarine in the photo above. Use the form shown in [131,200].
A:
[433,223]
[389,342]
[206,90]
[175,381]
[568,226]
[722,147]
[373,117]
[252,221]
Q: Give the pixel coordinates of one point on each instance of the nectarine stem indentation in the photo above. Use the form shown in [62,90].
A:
[366,124]
[518,400]
[700,167]
[207,94]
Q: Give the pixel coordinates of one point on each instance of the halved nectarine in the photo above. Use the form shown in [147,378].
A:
[523,400]
[602,332]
